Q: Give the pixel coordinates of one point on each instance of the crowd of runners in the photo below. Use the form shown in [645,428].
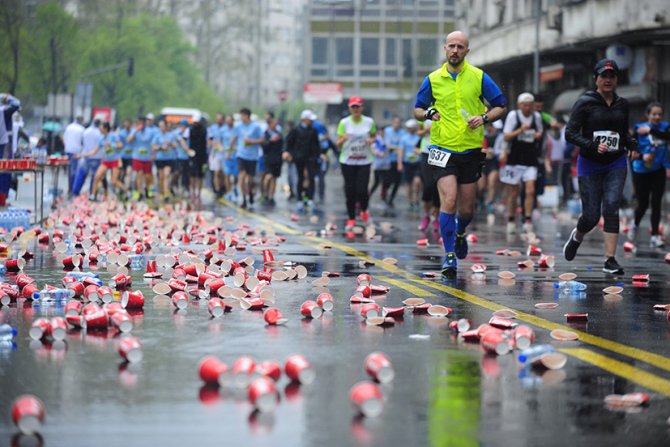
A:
[465,149]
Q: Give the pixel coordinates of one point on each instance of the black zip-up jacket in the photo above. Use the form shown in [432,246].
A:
[591,113]
[303,143]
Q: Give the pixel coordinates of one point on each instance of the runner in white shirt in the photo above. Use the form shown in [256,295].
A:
[73,142]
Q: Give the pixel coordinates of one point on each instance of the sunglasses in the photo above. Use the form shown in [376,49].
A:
[354,106]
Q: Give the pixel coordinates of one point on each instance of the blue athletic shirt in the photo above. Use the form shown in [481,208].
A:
[321,131]
[180,153]
[252,131]
[408,143]
[142,145]
[648,144]
[393,137]
[490,92]
[380,163]
[226,134]
[164,141]
[127,151]
[107,145]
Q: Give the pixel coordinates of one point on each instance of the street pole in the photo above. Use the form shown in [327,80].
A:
[536,55]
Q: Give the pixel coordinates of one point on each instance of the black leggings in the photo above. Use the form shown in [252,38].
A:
[379,179]
[601,195]
[356,179]
[306,172]
[646,185]
[393,179]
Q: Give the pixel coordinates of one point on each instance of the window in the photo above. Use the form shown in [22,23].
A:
[319,50]
[407,60]
[369,51]
[391,58]
[344,50]
[428,55]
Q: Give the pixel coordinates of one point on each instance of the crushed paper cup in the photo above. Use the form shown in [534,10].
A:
[551,360]
[661,306]
[612,298]
[533,250]
[546,305]
[438,310]
[411,302]
[394,312]
[380,321]
[629,400]
[577,317]
[641,278]
[505,313]
[567,276]
[613,290]
[321,282]
[478,268]
[563,335]
[667,258]
[506,275]
[273,316]
[547,261]
[422,242]
[391,261]
[526,264]
[472,238]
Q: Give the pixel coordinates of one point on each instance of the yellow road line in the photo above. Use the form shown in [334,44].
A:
[414,290]
[644,378]
[656,360]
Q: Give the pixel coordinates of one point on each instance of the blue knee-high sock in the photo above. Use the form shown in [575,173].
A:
[447,227]
[462,223]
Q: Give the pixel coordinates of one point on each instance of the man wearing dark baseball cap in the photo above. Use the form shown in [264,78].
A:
[604,65]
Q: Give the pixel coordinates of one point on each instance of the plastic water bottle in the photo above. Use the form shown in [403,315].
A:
[7,345]
[53,295]
[466,115]
[82,275]
[529,355]
[7,332]
[570,286]
[3,269]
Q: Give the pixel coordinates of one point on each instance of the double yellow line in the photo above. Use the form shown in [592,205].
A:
[410,283]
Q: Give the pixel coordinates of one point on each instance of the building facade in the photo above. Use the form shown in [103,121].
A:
[570,37]
[378,49]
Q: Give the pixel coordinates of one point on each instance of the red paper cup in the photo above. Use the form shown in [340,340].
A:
[119,281]
[122,321]
[23,280]
[325,301]
[180,300]
[263,394]
[106,294]
[212,370]
[29,291]
[130,349]
[368,399]
[364,279]
[73,307]
[113,308]
[58,328]
[41,328]
[524,336]
[269,368]
[533,250]
[577,317]
[268,257]
[502,323]
[309,309]
[364,290]
[494,342]
[98,320]
[15,265]
[132,300]
[378,366]
[28,414]
[91,293]
[628,246]
[298,369]
[72,262]
[371,310]
[546,261]
[273,316]
[216,307]
[243,371]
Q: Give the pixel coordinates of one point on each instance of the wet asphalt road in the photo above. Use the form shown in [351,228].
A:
[445,393]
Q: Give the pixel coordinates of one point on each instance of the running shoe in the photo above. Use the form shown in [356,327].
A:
[528,227]
[424,222]
[461,246]
[450,265]
[656,241]
[300,207]
[365,216]
[350,225]
[511,228]
[571,246]
[436,224]
[613,267]
[632,233]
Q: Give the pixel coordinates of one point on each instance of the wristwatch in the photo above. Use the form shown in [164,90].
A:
[485,118]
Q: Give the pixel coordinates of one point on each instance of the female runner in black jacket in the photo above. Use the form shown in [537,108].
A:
[599,126]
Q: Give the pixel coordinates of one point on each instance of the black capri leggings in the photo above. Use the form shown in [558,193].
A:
[648,185]
[356,179]
[601,193]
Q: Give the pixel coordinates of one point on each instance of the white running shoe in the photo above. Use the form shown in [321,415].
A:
[511,228]
[656,242]
[632,233]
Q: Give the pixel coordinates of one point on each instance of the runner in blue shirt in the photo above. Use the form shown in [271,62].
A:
[325,143]
[649,171]
[140,139]
[180,178]
[410,162]
[248,138]
[111,147]
[126,154]
[215,160]
[164,147]
[229,164]
[393,135]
